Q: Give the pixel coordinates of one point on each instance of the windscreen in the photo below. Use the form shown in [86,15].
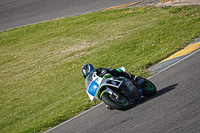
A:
[88,80]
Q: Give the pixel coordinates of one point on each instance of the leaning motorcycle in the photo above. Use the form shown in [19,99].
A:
[116,92]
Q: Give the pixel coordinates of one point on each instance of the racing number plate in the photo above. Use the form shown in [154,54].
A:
[93,88]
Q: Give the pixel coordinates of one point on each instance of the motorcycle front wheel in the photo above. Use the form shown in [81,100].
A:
[120,103]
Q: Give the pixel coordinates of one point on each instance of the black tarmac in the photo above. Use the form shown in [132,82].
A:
[17,13]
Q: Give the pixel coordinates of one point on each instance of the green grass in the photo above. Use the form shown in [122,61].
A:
[40,80]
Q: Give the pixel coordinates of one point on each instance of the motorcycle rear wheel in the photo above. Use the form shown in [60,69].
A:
[121,103]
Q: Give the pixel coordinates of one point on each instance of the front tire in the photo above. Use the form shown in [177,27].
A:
[121,103]
[149,89]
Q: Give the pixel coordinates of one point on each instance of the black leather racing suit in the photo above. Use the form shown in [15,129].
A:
[115,73]
[138,81]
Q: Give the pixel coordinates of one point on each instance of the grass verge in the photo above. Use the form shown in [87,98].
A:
[41,84]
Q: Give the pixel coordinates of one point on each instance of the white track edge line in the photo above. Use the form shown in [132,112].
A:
[175,63]
[73,118]
[102,102]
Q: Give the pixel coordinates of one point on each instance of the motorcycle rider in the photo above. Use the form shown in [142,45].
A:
[88,68]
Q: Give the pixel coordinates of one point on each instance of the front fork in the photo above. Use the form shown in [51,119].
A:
[111,92]
[117,96]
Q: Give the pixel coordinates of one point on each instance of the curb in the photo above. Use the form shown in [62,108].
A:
[121,6]
[192,47]
[177,2]
[166,1]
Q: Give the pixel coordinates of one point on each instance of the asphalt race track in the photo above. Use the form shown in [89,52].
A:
[17,13]
[175,108]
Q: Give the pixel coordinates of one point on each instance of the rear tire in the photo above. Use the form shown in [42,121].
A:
[149,89]
[121,104]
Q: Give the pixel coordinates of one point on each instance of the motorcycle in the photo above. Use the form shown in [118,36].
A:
[116,92]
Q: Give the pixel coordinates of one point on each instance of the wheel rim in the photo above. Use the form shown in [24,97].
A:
[121,101]
[149,87]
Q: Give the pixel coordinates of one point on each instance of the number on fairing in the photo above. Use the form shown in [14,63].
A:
[93,88]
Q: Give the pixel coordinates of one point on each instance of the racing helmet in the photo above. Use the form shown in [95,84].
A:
[87,69]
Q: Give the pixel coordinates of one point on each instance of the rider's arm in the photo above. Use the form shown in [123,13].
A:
[117,73]
[101,70]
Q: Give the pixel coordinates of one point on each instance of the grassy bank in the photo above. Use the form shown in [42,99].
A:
[41,84]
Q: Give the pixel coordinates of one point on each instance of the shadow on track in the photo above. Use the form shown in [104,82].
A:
[159,93]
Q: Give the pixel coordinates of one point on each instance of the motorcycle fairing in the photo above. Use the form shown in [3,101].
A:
[106,85]
[93,86]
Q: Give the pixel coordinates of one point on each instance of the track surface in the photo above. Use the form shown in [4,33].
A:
[175,108]
[16,13]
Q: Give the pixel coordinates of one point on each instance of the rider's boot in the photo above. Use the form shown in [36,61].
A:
[139,81]
[108,107]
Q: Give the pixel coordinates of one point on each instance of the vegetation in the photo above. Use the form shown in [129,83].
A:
[41,83]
